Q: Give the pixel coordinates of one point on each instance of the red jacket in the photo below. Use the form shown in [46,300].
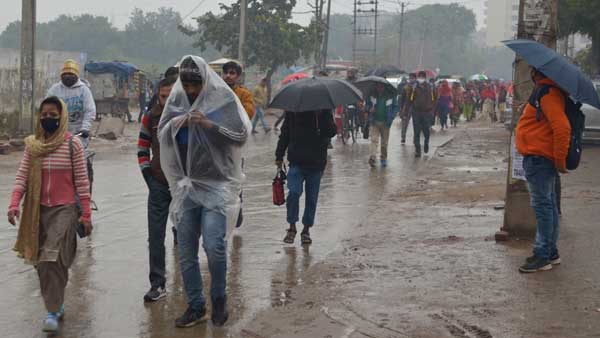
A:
[488,94]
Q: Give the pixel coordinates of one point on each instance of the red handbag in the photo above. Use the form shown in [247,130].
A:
[278,187]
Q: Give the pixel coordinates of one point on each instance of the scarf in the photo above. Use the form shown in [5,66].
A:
[38,146]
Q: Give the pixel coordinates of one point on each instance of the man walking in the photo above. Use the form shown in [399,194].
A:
[305,136]
[260,105]
[422,103]
[79,100]
[383,109]
[159,197]
[543,138]
[405,110]
[232,73]
[201,132]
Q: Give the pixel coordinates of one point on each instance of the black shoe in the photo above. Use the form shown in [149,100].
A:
[174,235]
[403,142]
[191,318]
[219,312]
[418,154]
[536,264]
[555,260]
[155,294]
[426,148]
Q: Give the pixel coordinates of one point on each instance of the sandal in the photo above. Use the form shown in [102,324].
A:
[305,237]
[289,238]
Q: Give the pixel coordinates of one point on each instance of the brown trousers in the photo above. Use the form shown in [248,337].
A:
[58,244]
[380,133]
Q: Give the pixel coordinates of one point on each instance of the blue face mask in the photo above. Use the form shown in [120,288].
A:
[50,125]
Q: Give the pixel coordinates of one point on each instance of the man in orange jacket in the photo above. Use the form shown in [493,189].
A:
[544,143]
[232,72]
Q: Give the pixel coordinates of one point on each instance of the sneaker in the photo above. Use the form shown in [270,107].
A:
[267,130]
[372,162]
[191,317]
[219,312]
[555,260]
[384,163]
[536,264]
[418,154]
[155,294]
[426,148]
[403,142]
[254,131]
[51,323]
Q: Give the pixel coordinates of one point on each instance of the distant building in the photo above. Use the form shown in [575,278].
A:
[501,20]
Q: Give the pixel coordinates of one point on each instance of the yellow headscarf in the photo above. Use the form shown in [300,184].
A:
[38,146]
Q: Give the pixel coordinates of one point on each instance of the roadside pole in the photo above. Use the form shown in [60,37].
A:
[242,41]
[326,38]
[538,20]
[400,33]
[27,70]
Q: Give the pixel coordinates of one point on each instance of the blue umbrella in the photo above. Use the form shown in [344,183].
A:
[565,74]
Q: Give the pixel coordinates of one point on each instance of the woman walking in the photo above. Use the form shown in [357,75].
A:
[444,103]
[52,176]
[457,103]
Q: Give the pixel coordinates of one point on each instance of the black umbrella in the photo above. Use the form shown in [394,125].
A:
[368,86]
[385,71]
[315,94]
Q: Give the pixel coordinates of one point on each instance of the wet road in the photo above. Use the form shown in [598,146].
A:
[110,275]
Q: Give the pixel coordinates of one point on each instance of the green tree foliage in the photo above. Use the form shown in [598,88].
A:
[581,16]
[272,39]
[151,39]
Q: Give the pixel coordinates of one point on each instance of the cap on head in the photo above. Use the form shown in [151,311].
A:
[70,67]
[189,72]
[232,65]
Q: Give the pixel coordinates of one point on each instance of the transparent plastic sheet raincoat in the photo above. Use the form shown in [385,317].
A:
[210,173]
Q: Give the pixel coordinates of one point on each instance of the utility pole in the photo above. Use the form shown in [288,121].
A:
[326,38]
[538,20]
[27,71]
[375,33]
[318,27]
[243,8]
[354,35]
[403,7]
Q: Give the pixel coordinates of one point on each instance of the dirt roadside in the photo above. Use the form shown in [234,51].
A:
[425,263]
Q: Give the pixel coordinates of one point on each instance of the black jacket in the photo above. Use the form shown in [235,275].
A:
[306,136]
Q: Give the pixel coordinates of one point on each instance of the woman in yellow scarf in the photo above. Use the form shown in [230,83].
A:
[53,178]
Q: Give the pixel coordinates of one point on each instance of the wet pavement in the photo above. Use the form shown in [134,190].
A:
[110,275]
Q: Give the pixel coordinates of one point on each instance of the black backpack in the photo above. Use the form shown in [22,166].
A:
[576,120]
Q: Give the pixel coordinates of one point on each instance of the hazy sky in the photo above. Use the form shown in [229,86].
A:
[118,10]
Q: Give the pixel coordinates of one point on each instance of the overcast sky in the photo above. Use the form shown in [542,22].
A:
[118,10]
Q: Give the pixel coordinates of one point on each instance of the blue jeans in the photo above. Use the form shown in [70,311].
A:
[159,200]
[260,115]
[195,221]
[297,178]
[541,179]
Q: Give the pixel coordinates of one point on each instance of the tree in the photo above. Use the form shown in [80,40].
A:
[581,16]
[272,39]
[156,38]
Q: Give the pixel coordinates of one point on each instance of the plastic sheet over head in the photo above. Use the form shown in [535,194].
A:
[203,166]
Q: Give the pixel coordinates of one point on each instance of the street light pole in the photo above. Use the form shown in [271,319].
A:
[403,7]
[27,70]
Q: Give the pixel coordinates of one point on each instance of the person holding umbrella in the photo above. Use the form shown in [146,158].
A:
[549,136]
[383,108]
[307,128]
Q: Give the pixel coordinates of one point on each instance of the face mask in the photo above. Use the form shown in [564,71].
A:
[50,125]
[69,80]
[420,80]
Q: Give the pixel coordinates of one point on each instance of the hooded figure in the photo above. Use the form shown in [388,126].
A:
[201,134]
